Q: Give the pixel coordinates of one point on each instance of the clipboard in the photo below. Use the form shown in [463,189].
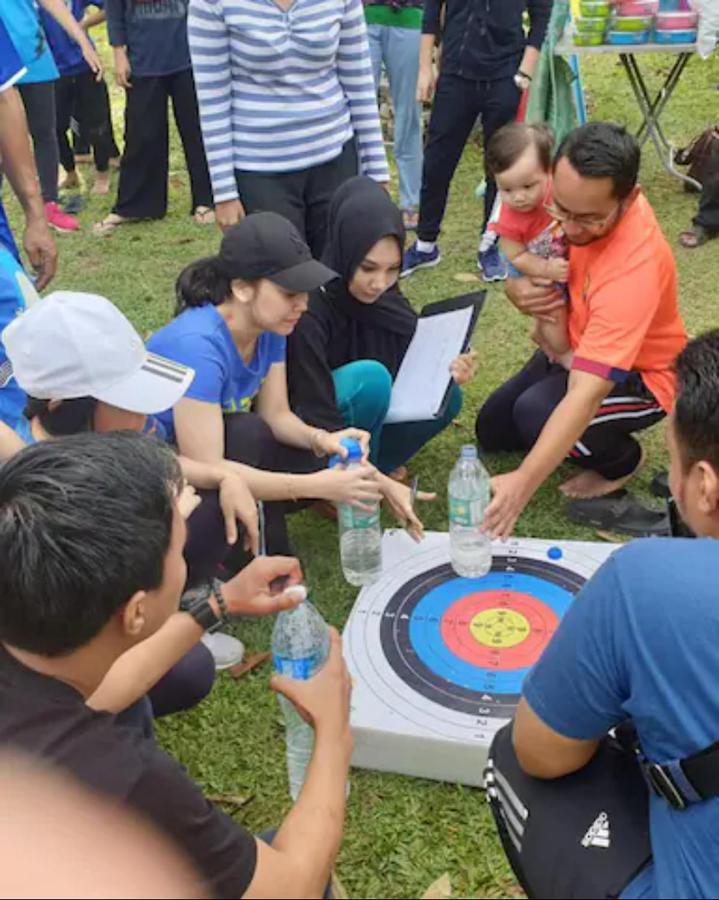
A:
[444,330]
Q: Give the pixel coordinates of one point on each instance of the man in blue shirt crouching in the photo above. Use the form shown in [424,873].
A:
[636,813]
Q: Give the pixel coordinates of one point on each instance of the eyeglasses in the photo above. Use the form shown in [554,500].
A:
[589,222]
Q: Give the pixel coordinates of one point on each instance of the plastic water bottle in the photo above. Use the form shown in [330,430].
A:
[360,533]
[300,647]
[470,548]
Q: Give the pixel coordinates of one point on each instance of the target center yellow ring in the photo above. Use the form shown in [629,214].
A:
[499,628]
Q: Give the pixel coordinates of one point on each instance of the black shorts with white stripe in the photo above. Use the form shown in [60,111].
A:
[582,836]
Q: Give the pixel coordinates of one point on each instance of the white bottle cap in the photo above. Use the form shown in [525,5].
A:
[299,591]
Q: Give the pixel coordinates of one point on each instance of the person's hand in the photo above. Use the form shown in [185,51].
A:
[229,212]
[188,501]
[251,592]
[558,269]
[41,250]
[510,494]
[357,485]
[123,69]
[237,503]
[330,442]
[538,297]
[323,700]
[464,367]
[90,56]
[399,500]
[426,81]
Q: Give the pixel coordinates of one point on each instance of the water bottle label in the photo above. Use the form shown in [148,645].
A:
[300,669]
[465,512]
[352,517]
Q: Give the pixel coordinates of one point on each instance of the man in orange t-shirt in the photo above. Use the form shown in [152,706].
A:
[625,331]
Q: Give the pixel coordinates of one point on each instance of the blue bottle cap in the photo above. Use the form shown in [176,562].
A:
[354,453]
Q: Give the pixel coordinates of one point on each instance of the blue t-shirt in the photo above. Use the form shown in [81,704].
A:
[154,32]
[11,70]
[67,53]
[22,20]
[641,641]
[200,338]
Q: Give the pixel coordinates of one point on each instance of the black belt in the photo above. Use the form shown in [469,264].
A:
[681,782]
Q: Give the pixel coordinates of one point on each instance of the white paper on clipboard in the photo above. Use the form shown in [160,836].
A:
[423,378]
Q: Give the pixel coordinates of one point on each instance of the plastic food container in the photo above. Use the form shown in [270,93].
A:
[588,38]
[632,23]
[628,37]
[591,25]
[595,8]
[676,21]
[638,7]
[685,36]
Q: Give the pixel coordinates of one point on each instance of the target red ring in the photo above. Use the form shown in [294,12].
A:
[455,628]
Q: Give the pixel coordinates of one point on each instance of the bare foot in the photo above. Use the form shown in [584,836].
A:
[101,187]
[114,162]
[70,181]
[83,158]
[589,484]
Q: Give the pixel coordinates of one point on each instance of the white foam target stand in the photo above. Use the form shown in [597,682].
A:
[396,727]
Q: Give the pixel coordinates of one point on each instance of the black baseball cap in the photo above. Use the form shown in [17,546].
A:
[266,245]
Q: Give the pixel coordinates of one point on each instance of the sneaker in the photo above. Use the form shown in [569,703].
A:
[492,264]
[60,220]
[226,650]
[414,259]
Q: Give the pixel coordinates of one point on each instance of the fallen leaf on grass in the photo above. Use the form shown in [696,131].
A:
[233,800]
[251,662]
[467,278]
[611,536]
[440,890]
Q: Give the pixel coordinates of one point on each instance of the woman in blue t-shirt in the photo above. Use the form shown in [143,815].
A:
[236,311]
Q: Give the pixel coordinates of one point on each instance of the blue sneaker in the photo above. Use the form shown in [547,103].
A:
[492,264]
[414,259]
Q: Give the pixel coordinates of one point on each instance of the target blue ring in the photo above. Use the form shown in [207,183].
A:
[426,620]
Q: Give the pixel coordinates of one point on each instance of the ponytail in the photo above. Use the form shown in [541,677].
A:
[200,283]
[69,417]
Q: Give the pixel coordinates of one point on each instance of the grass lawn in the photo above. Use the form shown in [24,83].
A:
[401,833]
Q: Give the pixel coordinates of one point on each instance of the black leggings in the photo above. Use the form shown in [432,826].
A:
[513,417]
[39,102]
[84,92]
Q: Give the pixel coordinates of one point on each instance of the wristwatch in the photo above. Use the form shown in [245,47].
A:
[196,602]
[522,80]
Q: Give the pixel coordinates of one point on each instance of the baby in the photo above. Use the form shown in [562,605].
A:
[519,157]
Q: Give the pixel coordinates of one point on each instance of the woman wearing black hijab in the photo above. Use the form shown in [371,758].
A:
[347,348]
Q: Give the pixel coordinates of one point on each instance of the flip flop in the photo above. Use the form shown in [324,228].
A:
[694,237]
[621,512]
[110,224]
[75,204]
[204,215]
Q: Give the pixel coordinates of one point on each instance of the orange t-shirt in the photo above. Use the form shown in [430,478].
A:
[624,311]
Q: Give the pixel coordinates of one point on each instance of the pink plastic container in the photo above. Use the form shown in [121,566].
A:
[676,21]
[637,7]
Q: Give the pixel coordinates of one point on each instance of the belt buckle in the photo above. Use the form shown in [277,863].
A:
[663,786]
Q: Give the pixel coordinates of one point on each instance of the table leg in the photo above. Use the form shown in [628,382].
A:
[651,110]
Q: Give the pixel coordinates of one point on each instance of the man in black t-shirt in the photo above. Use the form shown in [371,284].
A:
[91,565]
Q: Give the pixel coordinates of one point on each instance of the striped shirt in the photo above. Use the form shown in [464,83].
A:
[281,91]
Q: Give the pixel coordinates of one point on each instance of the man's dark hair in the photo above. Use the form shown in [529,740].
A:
[69,417]
[696,414]
[603,150]
[85,522]
[508,143]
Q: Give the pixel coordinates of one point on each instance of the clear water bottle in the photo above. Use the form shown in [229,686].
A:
[470,548]
[300,647]
[360,532]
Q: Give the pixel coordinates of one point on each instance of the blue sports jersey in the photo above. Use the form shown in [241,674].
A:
[22,20]
[200,338]
[641,641]
[67,53]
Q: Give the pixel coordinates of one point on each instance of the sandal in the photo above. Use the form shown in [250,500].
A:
[109,224]
[620,512]
[694,237]
[410,219]
[204,215]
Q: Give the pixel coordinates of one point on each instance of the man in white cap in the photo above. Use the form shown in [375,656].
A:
[85,368]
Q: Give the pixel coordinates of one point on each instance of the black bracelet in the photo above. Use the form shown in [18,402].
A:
[524,75]
[217,591]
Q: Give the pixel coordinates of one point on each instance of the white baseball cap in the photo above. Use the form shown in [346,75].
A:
[72,345]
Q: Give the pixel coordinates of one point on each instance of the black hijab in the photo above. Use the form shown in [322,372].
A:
[338,329]
[361,214]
